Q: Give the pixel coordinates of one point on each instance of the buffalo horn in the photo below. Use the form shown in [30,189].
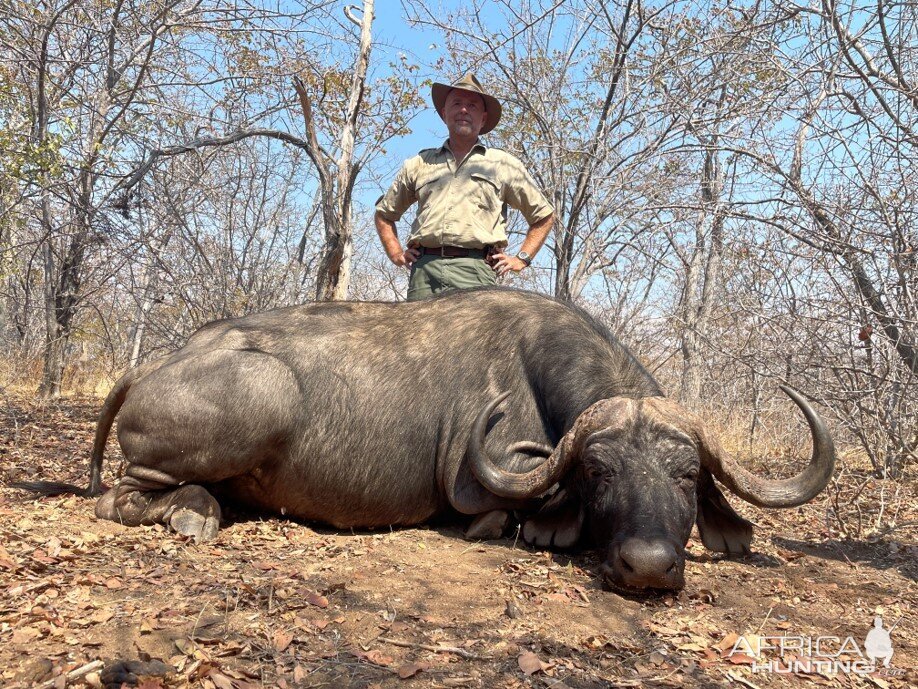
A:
[504,483]
[762,492]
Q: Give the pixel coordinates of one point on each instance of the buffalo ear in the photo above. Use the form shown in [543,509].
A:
[722,529]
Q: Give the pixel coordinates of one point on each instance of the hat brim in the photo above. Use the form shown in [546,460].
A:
[439,92]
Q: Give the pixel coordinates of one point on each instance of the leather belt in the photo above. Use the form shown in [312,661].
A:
[452,251]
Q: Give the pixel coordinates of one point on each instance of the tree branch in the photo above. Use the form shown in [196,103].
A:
[210,142]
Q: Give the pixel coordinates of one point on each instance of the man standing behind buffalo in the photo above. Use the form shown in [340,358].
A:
[462,188]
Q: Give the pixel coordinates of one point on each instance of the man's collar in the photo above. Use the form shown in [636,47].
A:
[477,145]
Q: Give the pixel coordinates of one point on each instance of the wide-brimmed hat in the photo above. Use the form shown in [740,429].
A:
[439,92]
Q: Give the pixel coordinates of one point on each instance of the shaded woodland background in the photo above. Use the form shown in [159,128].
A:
[733,181]
[735,194]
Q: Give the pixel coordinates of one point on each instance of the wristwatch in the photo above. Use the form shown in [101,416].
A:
[525,258]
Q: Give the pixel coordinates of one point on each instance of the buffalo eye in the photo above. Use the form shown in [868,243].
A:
[597,474]
[687,481]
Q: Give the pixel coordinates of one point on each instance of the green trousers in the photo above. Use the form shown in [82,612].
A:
[434,274]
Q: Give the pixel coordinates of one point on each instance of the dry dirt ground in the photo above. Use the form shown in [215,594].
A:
[273,602]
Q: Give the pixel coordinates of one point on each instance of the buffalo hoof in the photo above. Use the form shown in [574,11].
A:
[488,525]
[194,525]
[556,525]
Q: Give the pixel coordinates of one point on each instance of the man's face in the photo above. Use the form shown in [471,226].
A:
[464,113]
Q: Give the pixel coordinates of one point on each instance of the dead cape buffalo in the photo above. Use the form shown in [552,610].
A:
[480,402]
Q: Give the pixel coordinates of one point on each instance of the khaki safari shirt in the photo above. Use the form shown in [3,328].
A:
[463,204]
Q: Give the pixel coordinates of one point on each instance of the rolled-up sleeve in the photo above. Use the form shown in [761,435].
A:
[525,196]
[399,197]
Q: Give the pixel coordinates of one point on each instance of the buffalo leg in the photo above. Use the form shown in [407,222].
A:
[557,524]
[488,525]
[189,510]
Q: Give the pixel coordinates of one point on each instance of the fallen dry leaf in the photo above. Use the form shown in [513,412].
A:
[316,599]
[6,560]
[25,635]
[411,669]
[282,639]
[726,644]
[53,546]
[529,663]
[148,624]
[220,680]
[377,658]
[697,648]
[152,683]
[740,659]
[102,616]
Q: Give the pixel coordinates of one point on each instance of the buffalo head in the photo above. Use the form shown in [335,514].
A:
[638,473]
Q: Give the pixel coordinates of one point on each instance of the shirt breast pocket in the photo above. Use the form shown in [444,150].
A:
[426,187]
[486,192]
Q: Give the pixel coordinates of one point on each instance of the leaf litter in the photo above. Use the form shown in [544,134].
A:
[274,602]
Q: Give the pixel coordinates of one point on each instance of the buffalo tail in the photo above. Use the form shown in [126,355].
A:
[103,426]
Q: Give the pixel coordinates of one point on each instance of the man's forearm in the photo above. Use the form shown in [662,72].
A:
[535,238]
[388,236]
[391,245]
[537,235]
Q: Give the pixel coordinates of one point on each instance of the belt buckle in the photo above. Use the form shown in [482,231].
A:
[442,248]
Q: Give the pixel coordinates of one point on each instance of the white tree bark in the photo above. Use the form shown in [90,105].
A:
[337,178]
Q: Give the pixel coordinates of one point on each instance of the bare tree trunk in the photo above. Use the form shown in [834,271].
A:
[756,407]
[61,304]
[564,244]
[7,240]
[702,281]
[140,315]
[52,369]
[335,266]
[53,356]
[148,283]
[62,293]
[564,258]
[897,331]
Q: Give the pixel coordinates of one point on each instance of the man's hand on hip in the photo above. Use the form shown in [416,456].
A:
[504,263]
[406,257]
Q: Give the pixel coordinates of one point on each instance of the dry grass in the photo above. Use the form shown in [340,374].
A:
[858,504]
[22,377]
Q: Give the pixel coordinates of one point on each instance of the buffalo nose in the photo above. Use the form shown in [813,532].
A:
[641,563]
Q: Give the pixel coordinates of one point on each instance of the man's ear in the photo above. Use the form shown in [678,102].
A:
[722,529]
